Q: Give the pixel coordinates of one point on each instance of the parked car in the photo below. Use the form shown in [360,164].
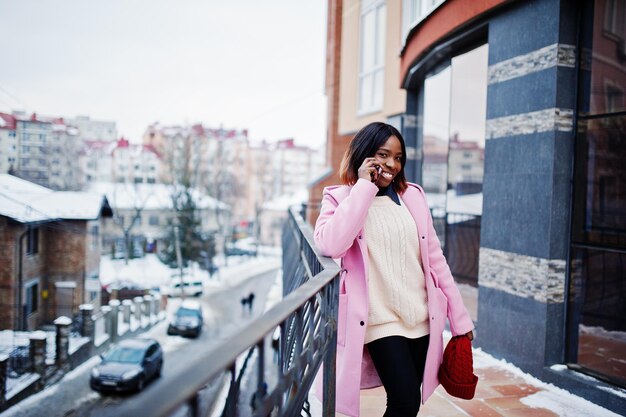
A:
[128,366]
[236,251]
[187,320]
[190,286]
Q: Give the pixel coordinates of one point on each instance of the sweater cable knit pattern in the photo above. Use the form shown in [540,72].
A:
[397,291]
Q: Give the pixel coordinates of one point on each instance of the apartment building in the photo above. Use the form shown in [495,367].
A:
[8,143]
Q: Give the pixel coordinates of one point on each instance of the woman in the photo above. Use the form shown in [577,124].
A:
[396,289]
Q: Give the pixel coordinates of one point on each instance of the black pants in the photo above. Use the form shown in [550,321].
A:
[400,364]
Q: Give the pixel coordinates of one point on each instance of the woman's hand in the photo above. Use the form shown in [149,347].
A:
[470,335]
[368,171]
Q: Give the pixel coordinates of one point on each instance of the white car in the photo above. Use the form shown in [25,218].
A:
[189,286]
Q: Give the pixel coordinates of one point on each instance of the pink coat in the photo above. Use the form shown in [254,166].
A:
[339,234]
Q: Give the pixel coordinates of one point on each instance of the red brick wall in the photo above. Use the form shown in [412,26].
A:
[32,268]
[8,259]
[66,249]
[335,144]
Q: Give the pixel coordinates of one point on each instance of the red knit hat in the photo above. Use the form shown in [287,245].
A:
[456,373]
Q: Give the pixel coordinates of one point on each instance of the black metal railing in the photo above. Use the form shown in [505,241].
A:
[307,318]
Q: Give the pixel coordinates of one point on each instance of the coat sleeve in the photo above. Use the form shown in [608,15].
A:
[459,318]
[339,223]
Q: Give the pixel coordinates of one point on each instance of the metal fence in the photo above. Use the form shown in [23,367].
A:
[307,318]
[459,234]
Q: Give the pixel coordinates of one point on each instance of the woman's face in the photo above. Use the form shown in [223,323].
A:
[389,157]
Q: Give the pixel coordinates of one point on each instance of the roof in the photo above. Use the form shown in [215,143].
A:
[125,196]
[26,202]
[7,121]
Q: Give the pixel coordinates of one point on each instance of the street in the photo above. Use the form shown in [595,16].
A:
[224,314]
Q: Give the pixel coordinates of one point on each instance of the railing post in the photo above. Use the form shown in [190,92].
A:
[87,326]
[138,301]
[106,316]
[115,308]
[331,301]
[156,306]
[37,352]
[62,342]
[4,361]
[146,306]
[126,307]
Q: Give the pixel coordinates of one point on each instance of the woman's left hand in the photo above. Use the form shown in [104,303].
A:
[470,335]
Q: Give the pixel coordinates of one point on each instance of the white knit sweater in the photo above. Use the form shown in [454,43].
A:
[397,291]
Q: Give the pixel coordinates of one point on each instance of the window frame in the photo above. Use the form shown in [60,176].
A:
[379,10]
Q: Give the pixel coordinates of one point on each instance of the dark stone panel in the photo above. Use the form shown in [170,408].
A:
[568,22]
[512,328]
[560,216]
[564,152]
[530,216]
[523,154]
[529,26]
[497,204]
[517,214]
[566,88]
[528,93]
[548,88]
[527,188]
[555,333]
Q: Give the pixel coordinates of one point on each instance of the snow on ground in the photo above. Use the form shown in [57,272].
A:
[553,398]
[150,272]
[26,403]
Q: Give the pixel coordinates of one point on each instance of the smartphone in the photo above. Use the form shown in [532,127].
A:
[379,170]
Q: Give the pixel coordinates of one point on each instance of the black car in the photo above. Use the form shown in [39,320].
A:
[187,320]
[128,366]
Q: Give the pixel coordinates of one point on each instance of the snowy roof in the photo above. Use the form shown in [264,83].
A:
[7,121]
[26,202]
[123,196]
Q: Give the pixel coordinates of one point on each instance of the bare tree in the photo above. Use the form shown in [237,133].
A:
[186,241]
[125,224]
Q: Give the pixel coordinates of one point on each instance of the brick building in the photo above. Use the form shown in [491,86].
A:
[49,252]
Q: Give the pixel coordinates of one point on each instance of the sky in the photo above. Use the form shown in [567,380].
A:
[239,64]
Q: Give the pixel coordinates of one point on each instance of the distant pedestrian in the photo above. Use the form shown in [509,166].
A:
[253,400]
[244,302]
[276,343]
[251,302]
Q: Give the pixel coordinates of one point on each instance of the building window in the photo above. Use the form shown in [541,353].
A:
[32,241]
[453,142]
[32,298]
[372,56]
[614,98]
[597,277]
[414,11]
[153,220]
[614,16]
[95,235]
